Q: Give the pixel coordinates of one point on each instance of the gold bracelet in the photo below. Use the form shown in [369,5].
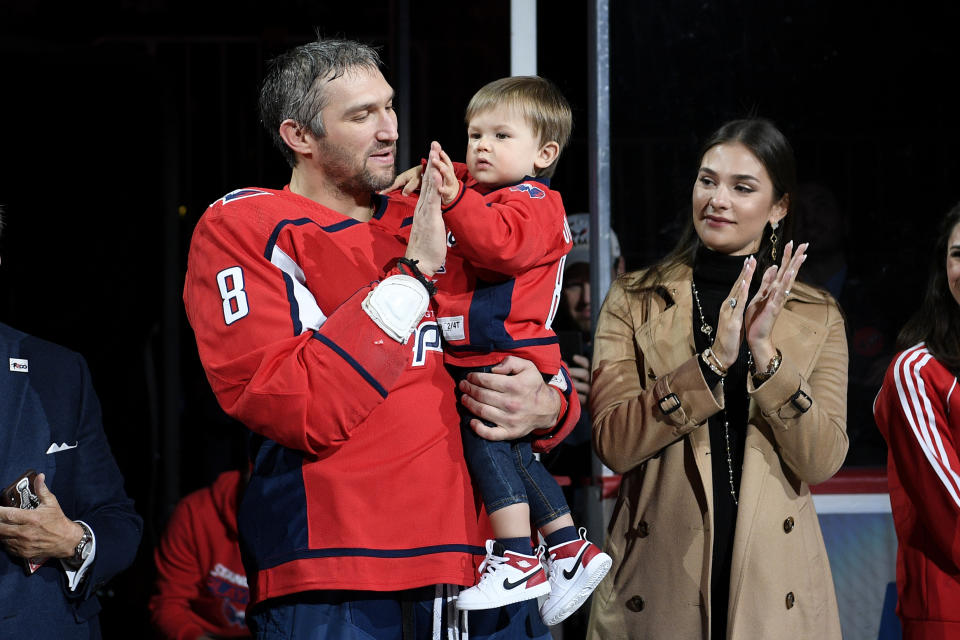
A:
[711,360]
[716,360]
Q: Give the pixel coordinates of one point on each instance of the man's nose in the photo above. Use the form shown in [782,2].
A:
[388,128]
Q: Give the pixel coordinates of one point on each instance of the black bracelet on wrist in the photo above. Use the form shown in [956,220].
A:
[411,266]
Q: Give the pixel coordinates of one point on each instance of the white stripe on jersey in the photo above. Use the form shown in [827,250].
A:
[311,318]
[916,407]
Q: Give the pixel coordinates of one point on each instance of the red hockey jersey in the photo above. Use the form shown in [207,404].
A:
[918,412]
[514,240]
[358,479]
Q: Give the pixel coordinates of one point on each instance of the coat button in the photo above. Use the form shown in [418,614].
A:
[790,600]
[788,525]
[643,529]
[635,604]
[651,374]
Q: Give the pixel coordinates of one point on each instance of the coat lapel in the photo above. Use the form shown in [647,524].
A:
[661,332]
[657,339]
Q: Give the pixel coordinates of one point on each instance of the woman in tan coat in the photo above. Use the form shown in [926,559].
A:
[721,397]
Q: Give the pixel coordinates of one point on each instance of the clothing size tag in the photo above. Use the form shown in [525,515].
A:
[452,328]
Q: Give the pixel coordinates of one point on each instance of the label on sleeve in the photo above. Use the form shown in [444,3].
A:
[452,328]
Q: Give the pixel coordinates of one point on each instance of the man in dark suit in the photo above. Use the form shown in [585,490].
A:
[83,527]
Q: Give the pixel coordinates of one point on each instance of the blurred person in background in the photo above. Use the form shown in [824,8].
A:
[201,587]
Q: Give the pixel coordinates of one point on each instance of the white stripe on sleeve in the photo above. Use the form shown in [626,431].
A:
[916,407]
[311,318]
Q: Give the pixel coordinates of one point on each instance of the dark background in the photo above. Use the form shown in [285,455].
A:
[121,121]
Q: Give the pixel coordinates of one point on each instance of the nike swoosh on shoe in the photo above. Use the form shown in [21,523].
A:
[568,574]
[513,585]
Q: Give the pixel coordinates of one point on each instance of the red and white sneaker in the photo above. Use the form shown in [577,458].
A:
[575,569]
[505,577]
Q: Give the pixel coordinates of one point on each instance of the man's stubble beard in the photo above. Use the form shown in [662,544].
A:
[350,178]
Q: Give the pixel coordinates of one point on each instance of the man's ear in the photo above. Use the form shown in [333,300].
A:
[547,155]
[296,136]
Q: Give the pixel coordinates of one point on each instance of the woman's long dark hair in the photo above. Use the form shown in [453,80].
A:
[937,321]
[774,152]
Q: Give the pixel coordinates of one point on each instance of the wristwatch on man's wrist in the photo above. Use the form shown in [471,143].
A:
[83,549]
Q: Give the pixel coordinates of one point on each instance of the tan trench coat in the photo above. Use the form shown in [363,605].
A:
[660,534]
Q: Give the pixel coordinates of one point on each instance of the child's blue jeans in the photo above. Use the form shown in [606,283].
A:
[506,472]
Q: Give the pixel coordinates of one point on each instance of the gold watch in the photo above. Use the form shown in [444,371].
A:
[759,377]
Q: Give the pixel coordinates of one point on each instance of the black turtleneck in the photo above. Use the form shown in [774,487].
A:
[714,275]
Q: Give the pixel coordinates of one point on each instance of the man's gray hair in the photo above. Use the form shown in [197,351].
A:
[294,86]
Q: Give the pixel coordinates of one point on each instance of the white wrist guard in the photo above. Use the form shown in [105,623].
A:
[397,305]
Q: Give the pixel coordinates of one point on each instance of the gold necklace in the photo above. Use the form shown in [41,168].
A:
[706,329]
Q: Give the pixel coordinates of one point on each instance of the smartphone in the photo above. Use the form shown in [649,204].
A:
[20,494]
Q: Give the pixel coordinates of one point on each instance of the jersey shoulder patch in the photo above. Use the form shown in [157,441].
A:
[535,192]
[240,194]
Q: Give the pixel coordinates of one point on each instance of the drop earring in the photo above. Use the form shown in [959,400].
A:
[773,240]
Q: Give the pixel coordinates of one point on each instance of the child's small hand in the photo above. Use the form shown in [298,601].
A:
[409,180]
[449,186]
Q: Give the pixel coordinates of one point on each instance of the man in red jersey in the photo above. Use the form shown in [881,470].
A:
[312,313]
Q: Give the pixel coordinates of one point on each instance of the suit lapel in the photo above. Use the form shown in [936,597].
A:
[13,388]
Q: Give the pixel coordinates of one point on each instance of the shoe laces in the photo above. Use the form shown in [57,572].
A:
[493,562]
[490,564]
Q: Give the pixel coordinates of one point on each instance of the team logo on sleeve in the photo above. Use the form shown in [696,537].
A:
[240,194]
[535,192]
[426,338]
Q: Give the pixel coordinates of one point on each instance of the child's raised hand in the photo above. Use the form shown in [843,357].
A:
[409,180]
[449,185]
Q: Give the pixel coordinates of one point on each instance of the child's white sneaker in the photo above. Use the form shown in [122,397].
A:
[575,569]
[505,577]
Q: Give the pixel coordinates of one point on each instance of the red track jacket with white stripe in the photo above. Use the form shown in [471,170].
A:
[918,412]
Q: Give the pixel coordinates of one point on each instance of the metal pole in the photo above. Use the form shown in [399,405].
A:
[599,150]
[401,56]
[523,37]
[598,39]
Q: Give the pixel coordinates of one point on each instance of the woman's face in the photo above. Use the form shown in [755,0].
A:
[953,263]
[733,200]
